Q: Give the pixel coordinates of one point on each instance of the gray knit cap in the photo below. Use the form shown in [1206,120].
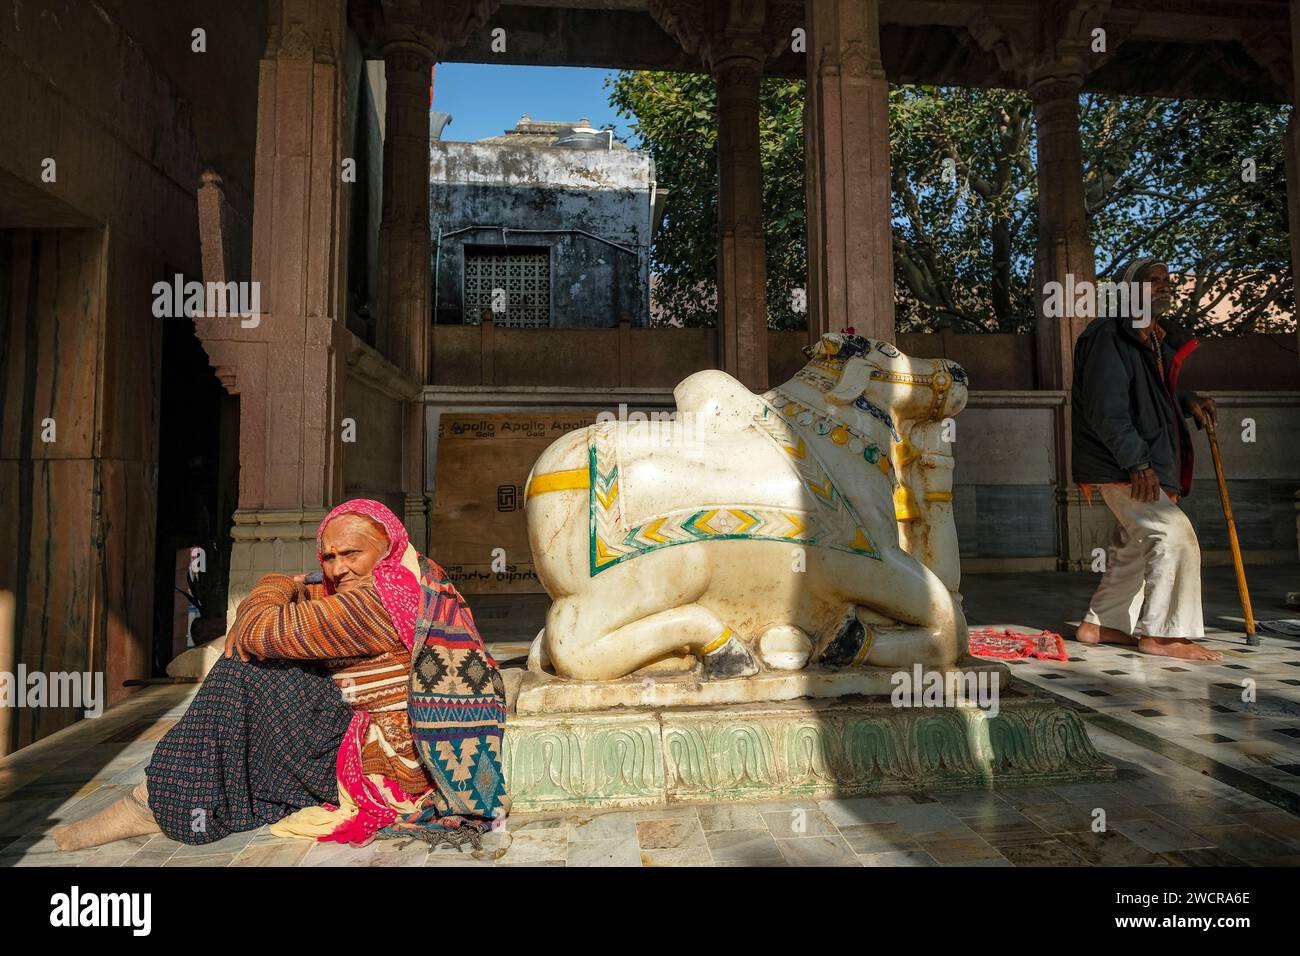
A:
[1129,271]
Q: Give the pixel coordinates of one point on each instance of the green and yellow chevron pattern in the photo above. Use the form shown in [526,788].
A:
[832,523]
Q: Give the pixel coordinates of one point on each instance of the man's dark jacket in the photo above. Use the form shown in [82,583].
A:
[1123,414]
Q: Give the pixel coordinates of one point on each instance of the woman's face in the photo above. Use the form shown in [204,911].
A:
[351,546]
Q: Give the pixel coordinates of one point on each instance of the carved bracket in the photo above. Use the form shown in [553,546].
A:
[433,25]
[1272,51]
[1055,46]
[716,30]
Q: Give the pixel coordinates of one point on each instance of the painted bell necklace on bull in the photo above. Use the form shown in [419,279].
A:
[818,378]
[836,432]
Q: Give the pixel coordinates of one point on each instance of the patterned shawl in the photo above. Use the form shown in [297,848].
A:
[456,706]
[457,709]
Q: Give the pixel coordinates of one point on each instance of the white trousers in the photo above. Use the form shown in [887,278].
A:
[1152,583]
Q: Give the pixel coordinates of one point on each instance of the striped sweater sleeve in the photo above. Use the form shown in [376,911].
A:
[271,623]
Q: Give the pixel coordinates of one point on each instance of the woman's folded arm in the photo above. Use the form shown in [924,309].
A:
[271,623]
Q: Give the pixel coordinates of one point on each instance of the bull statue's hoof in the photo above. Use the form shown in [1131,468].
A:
[731,659]
[749,524]
[848,646]
[784,648]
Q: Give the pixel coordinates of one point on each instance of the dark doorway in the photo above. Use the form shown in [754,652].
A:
[198,484]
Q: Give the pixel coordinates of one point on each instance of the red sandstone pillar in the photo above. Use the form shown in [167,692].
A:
[742,251]
[286,368]
[1064,249]
[734,38]
[1064,246]
[404,251]
[846,143]
[404,244]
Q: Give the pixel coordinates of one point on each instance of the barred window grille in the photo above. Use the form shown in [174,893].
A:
[523,275]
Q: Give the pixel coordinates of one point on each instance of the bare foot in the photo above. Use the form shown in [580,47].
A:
[1088,633]
[1178,647]
[128,817]
[66,838]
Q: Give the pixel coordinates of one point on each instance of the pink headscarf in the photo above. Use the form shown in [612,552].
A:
[399,592]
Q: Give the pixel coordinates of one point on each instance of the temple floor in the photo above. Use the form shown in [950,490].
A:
[1204,778]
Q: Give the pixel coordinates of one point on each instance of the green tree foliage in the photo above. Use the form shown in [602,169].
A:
[674,118]
[1161,177]
[964,208]
[1201,185]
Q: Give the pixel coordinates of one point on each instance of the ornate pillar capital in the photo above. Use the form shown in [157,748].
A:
[737,70]
[847,44]
[433,26]
[1055,81]
[407,55]
[721,30]
[1057,43]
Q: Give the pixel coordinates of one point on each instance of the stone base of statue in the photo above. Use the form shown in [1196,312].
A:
[680,682]
[845,746]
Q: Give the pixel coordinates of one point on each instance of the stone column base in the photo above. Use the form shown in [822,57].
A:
[416,520]
[800,748]
[266,541]
[1087,527]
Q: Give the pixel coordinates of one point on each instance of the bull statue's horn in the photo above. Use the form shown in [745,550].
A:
[853,381]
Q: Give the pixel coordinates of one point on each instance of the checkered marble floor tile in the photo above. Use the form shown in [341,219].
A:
[1242,712]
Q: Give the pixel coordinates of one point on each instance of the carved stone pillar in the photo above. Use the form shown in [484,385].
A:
[742,249]
[734,39]
[1064,252]
[404,252]
[846,155]
[404,245]
[1051,55]
[283,363]
[411,34]
[1064,246]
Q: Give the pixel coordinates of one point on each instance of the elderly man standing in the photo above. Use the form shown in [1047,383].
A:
[1131,442]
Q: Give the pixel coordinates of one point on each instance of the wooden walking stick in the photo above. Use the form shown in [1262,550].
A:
[1251,637]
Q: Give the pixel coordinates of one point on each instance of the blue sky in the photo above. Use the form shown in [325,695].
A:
[486,100]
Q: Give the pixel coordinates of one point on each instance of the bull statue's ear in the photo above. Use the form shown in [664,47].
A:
[854,378]
[821,348]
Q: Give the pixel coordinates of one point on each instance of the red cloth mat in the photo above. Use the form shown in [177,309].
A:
[999,642]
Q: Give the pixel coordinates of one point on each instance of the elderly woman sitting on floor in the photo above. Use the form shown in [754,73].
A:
[361,703]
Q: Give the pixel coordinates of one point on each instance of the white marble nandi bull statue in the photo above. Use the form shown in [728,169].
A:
[758,531]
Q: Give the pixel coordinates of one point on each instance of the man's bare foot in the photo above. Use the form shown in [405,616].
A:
[1089,633]
[1178,647]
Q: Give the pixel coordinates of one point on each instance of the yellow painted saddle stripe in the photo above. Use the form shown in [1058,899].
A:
[572,480]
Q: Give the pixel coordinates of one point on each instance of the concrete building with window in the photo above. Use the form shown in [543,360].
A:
[547,225]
